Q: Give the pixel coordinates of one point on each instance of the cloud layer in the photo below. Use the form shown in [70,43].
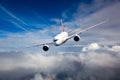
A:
[95,64]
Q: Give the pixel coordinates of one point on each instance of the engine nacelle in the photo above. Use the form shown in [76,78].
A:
[45,47]
[77,38]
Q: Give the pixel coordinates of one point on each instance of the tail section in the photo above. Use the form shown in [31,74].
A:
[62,26]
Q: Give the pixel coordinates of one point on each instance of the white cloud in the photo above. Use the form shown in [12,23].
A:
[21,40]
[92,46]
[108,31]
[37,61]
[56,20]
[114,48]
[99,59]
[51,65]
[38,77]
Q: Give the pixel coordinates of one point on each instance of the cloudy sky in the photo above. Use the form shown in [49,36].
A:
[29,22]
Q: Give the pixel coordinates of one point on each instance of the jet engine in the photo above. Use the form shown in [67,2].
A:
[76,38]
[45,47]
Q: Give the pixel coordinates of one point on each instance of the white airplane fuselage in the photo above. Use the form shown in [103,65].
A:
[60,38]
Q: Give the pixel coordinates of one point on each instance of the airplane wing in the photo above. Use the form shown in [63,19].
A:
[84,30]
[40,44]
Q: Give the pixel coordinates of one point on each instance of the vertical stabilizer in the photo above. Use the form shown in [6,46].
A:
[62,25]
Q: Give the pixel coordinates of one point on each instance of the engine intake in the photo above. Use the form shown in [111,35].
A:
[77,38]
[45,47]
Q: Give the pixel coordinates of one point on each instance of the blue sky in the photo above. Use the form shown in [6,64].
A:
[37,14]
[30,22]
[32,12]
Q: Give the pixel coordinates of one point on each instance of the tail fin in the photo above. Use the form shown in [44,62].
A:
[62,26]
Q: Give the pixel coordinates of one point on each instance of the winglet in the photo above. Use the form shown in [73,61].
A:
[62,25]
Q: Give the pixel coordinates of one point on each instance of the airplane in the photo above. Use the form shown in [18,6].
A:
[64,36]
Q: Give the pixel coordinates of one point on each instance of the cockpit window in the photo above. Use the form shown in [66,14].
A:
[55,40]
